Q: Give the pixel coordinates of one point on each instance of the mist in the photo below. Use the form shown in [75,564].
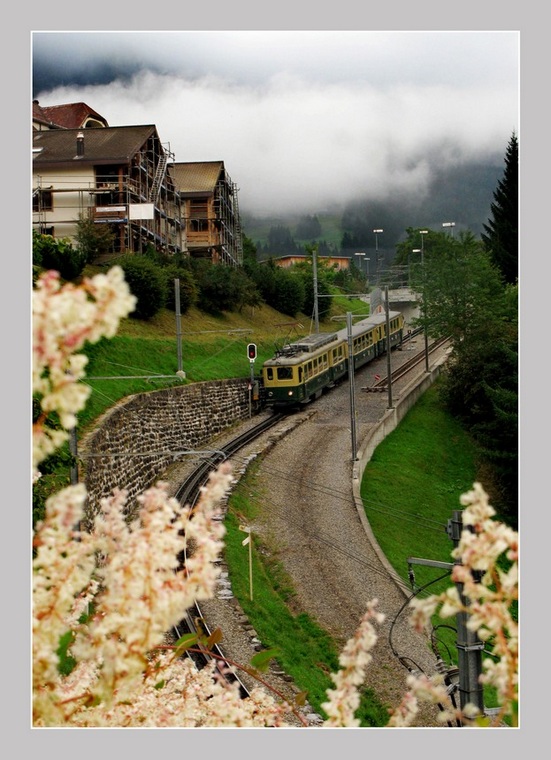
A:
[301,120]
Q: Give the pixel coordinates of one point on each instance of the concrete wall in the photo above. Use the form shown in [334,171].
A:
[135,441]
[389,422]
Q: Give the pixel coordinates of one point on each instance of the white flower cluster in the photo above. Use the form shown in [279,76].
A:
[63,319]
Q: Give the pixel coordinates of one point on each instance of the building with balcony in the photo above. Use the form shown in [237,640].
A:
[120,176]
[210,211]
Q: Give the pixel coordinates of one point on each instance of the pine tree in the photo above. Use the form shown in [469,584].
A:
[501,239]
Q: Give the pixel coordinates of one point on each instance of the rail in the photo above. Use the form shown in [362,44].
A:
[192,621]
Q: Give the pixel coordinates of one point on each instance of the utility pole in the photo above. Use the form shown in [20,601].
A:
[351,384]
[73,448]
[388,364]
[315,272]
[178,323]
[469,646]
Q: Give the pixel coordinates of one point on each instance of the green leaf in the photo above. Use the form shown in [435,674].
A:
[215,638]
[184,643]
[67,663]
[261,660]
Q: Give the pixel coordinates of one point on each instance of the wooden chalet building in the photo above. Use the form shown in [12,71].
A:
[121,176]
[211,211]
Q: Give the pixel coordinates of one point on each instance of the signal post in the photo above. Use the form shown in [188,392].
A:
[251,353]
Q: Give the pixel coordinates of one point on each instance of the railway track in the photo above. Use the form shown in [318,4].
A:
[193,621]
[382,384]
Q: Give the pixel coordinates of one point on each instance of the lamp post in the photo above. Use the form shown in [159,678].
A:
[415,250]
[423,233]
[359,254]
[315,273]
[451,225]
[420,250]
[377,232]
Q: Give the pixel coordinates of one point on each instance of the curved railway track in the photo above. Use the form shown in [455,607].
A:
[193,621]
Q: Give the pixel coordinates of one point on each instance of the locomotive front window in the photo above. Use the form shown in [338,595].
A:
[284,373]
[269,373]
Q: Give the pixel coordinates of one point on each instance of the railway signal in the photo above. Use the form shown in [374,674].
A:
[251,353]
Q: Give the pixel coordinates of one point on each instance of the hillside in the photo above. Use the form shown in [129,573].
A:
[143,356]
[462,193]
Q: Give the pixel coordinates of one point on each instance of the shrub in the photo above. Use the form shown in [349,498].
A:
[147,282]
[189,292]
[224,288]
[94,239]
[59,255]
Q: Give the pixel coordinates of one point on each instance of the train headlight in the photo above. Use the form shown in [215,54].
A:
[289,393]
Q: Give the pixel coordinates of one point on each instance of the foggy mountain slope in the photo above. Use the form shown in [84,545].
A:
[462,194]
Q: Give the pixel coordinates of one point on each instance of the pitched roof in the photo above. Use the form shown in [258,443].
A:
[196,177]
[112,145]
[70,115]
[40,116]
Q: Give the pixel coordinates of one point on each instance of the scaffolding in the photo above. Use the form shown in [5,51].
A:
[226,211]
[137,200]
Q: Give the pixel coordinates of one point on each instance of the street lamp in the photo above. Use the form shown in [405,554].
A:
[361,254]
[423,233]
[377,260]
[451,225]
[420,250]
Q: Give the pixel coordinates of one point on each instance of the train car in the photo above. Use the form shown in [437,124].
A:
[301,371]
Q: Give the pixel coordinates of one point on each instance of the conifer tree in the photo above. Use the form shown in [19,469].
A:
[501,238]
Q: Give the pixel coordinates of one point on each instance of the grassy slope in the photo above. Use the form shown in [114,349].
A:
[143,356]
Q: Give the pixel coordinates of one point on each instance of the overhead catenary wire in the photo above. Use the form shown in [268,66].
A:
[345,497]
[343,549]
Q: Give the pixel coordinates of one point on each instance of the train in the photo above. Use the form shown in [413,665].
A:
[301,371]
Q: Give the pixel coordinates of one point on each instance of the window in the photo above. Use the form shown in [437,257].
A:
[198,225]
[284,373]
[43,200]
[269,373]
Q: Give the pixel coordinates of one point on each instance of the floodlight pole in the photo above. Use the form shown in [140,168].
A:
[315,273]
[351,384]
[388,363]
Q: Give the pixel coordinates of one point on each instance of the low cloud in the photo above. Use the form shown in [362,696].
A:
[296,136]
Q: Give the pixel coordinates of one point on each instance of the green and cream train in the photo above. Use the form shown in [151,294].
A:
[301,371]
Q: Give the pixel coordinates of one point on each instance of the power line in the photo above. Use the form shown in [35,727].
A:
[345,497]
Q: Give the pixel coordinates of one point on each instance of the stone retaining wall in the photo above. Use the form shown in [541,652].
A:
[135,441]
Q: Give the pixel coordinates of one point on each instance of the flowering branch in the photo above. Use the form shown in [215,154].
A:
[64,318]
